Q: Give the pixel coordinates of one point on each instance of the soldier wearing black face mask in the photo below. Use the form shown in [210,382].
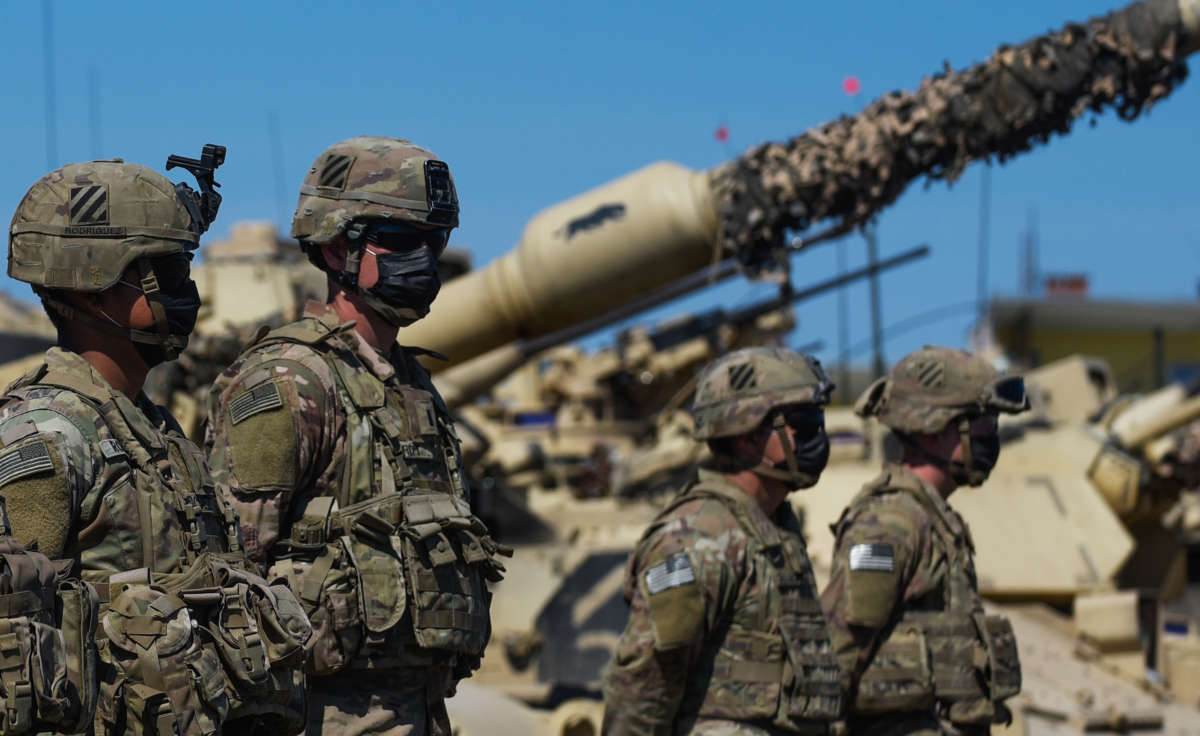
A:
[725,632]
[328,438]
[918,655]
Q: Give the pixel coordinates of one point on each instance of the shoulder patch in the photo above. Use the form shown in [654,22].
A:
[22,460]
[258,399]
[877,557]
[673,572]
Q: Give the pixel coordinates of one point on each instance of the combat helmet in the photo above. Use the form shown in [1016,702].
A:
[81,226]
[373,178]
[376,190]
[931,387]
[738,391]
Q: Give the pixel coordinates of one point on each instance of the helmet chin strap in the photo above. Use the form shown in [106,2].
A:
[792,476]
[963,472]
[348,278]
[172,345]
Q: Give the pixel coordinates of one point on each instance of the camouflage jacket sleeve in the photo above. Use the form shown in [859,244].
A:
[271,434]
[881,561]
[681,582]
[50,468]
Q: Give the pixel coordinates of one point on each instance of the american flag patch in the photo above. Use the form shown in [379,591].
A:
[673,572]
[23,460]
[258,399]
[877,557]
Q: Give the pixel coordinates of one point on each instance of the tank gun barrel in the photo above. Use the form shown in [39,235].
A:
[465,382]
[627,238]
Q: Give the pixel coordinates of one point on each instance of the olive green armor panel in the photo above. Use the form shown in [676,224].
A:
[165,557]
[393,572]
[945,651]
[775,661]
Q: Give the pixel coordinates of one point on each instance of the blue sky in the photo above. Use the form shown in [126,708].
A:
[531,103]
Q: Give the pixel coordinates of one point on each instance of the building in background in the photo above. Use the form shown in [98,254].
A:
[1147,343]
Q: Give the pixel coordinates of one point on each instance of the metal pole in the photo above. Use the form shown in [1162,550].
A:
[877,363]
[51,112]
[985,206]
[843,307]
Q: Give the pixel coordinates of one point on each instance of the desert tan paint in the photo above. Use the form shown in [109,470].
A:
[650,228]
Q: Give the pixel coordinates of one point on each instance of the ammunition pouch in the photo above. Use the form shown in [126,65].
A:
[47,647]
[162,679]
[747,676]
[241,657]
[965,663]
[900,676]
[1005,680]
[361,570]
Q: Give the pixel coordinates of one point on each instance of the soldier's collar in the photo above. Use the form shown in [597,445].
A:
[901,477]
[325,314]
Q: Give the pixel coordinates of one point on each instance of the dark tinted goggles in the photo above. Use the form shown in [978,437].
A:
[1006,394]
[399,237]
[173,271]
[806,422]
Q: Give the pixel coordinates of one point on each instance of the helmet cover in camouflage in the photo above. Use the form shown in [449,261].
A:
[736,392]
[373,178]
[81,226]
[930,387]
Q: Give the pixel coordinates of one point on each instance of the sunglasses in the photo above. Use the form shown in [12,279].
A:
[399,237]
[805,422]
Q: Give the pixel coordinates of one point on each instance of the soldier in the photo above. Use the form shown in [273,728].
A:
[725,632]
[335,447]
[917,653]
[96,474]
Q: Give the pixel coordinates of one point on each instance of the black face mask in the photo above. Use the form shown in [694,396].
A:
[408,283]
[812,455]
[985,451]
[181,305]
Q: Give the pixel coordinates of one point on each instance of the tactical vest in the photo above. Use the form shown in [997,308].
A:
[47,645]
[941,650]
[169,566]
[773,661]
[392,571]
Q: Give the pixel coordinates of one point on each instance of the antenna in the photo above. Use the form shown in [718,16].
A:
[985,207]
[877,363]
[51,111]
[843,308]
[1029,255]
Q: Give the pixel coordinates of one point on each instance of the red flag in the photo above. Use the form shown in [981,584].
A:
[722,134]
[851,86]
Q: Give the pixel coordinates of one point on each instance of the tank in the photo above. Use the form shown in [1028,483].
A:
[596,251]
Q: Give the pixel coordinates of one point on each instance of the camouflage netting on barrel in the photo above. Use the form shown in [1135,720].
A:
[850,168]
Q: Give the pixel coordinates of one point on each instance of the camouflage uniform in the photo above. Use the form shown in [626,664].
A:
[346,468]
[917,652]
[112,485]
[726,634]
[48,629]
